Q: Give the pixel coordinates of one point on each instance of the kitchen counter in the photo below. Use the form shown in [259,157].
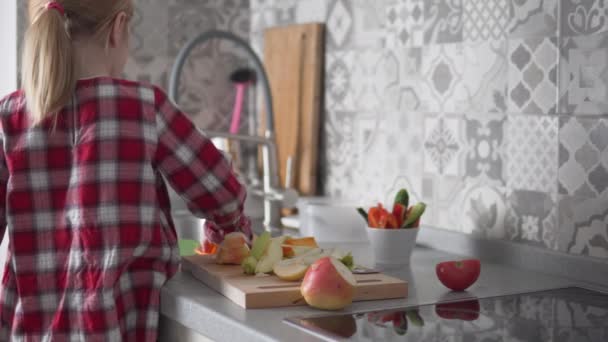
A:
[193,305]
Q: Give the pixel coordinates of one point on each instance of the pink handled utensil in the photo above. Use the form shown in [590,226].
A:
[241,78]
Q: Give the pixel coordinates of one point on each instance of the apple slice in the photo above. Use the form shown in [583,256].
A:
[273,254]
[328,285]
[290,269]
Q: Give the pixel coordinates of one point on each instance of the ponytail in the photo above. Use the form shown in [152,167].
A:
[48,67]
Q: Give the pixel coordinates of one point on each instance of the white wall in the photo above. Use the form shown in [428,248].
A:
[8,68]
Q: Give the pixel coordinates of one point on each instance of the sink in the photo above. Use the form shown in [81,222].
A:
[569,314]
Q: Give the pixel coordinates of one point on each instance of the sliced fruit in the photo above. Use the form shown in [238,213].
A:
[308,241]
[274,254]
[414,215]
[294,251]
[260,244]
[348,261]
[209,247]
[249,265]
[232,256]
[234,240]
[290,269]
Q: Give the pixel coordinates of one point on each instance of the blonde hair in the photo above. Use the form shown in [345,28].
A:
[48,71]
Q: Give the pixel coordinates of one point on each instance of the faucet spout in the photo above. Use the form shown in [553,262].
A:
[271,194]
[178,67]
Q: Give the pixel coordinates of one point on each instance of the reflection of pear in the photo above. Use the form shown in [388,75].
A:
[342,326]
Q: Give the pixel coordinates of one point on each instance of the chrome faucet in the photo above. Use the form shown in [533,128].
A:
[272,194]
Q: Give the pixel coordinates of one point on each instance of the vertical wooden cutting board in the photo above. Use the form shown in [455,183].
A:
[294,61]
[252,292]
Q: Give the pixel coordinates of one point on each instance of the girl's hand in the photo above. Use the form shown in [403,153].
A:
[216,235]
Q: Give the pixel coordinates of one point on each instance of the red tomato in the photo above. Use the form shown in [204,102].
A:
[458,275]
[466,311]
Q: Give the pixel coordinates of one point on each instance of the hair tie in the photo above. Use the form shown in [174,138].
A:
[56,6]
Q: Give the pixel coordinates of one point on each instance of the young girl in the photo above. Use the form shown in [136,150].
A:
[83,161]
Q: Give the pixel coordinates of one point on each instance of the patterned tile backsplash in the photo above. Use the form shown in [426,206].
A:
[493,112]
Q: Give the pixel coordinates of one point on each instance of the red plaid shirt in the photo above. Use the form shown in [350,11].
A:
[88,214]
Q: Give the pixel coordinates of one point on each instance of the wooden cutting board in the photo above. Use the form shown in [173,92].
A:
[252,292]
[293,57]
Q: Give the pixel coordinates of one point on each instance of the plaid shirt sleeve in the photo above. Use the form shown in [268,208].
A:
[197,171]
[3,182]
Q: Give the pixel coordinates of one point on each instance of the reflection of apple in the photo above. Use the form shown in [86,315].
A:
[465,311]
[328,285]
[233,250]
[343,326]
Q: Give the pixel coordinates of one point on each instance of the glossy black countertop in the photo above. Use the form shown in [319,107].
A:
[570,314]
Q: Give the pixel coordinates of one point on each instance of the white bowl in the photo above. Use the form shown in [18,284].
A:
[392,246]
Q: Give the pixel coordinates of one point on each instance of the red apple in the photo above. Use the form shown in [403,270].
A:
[328,285]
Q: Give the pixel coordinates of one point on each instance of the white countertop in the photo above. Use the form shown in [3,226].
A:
[194,305]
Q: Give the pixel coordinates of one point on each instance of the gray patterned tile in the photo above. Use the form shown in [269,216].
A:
[584,75]
[533,218]
[404,140]
[361,79]
[339,161]
[442,69]
[411,80]
[370,142]
[583,156]
[532,153]
[483,210]
[190,18]
[444,144]
[583,17]
[405,23]
[485,20]
[311,11]
[484,158]
[484,85]
[340,23]
[466,78]
[583,224]
[444,197]
[339,80]
[533,70]
[150,29]
[154,71]
[443,21]
[534,18]
[369,30]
